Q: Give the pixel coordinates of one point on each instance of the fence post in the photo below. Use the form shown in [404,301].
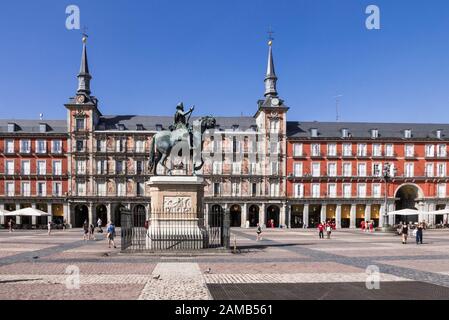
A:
[226,230]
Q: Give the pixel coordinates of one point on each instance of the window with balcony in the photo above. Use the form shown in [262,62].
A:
[377,150]
[41,189]
[255,189]
[217,189]
[409,170]
[120,145]
[377,190]
[9,146]
[429,170]
[430,150]
[332,169]
[57,189]
[41,167]
[299,190]
[347,149]
[217,168]
[347,192]
[442,150]
[315,190]
[140,189]
[121,189]
[274,168]
[79,146]
[361,169]
[332,149]
[442,190]
[361,150]
[101,189]
[316,152]
[235,189]
[377,170]
[347,170]
[297,150]
[316,169]
[9,189]
[119,167]
[56,147]
[25,146]
[254,168]
[274,189]
[81,167]
[41,146]
[102,166]
[57,168]
[236,144]
[81,188]
[26,189]
[332,190]
[25,167]
[441,170]
[139,167]
[140,146]
[9,167]
[236,168]
[101,145]
[389,150]
[298,169]
[409,150]
[361,190]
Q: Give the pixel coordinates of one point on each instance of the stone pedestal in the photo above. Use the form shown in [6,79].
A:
[177,217]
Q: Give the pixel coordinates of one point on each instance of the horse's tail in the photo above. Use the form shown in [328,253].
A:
[152,154]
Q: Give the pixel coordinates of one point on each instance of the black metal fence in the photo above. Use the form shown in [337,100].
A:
[174,231]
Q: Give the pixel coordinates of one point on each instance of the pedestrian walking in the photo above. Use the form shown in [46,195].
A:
[111,234]
[404,232]
[91,232]
[49,227]
[328,230]
[363,225]
[11,225]
[85,230]
[64,223]
[99,225]
[419,233]
[371,226]
[259,233]
[321,230]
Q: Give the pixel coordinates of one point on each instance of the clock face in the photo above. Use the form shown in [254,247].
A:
[80,99]
[275,102]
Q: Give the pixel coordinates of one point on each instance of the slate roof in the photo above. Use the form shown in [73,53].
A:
[150,122]
[362,130]
[32,126]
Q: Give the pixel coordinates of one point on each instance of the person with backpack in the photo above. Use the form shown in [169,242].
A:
[259,232]
[111,234]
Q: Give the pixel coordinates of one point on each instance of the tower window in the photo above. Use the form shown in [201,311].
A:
[79,124]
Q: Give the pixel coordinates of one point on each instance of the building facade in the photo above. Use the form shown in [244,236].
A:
[261,169]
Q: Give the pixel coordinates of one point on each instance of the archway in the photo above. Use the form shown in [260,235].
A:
[273,217]
[81,215]
[139,215]
[118,215]
[102,213]
[407,196]
[236,215]
[253,216]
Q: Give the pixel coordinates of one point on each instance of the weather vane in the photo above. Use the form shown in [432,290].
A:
[270,35]
[85,35]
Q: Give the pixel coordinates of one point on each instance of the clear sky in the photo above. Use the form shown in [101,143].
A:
[146,56]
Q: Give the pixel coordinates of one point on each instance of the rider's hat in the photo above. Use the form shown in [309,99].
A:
[180,106]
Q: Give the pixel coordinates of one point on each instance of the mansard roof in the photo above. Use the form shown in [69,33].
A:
[362,130]
[33,126]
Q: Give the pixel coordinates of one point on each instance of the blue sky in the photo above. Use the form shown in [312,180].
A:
[146,56]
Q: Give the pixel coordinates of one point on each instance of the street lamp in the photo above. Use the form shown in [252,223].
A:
[387,175]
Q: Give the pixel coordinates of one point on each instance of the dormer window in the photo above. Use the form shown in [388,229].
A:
[159,127]
[374,133]
[139,127]
[314,132]
[235,127]
[42,127]
[11,127]
[439,134]
[254,127]
[121,127]
[345,133]
[408,134]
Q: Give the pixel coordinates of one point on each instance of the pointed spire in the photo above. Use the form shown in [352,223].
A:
[270,78]
[84,76]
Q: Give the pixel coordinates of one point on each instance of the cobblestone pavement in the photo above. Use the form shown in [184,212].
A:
[294,264]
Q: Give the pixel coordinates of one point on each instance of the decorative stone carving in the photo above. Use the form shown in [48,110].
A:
[177,204]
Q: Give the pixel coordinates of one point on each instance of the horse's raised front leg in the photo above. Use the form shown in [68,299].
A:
[164,163]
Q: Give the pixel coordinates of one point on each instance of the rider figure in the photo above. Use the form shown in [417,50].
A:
[180,117]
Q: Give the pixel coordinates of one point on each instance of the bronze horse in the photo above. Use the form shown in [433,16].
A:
[165,141]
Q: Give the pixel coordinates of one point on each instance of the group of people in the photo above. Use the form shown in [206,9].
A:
[89,231]
[405,229]
[325,226]
[367,226]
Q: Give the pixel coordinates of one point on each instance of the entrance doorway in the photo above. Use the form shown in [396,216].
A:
[236,216]
[253,216]
[314,216]
[118,215]
[81,215]
[296,220]
[273,217]
[407,196]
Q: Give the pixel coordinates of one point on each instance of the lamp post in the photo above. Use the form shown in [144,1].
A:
[387,178]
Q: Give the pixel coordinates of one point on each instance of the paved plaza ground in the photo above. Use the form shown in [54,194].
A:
[286,264]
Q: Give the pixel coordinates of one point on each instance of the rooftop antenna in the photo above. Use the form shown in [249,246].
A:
[337,106]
